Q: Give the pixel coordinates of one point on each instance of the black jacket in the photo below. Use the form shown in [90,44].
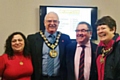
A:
[112,64]
[36,45]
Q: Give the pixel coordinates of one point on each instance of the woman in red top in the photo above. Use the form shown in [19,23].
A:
[108,51]
[15,63]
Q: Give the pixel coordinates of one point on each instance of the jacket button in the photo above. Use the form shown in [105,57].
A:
[111,67]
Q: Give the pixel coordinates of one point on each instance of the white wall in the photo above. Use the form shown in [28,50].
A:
[23,15]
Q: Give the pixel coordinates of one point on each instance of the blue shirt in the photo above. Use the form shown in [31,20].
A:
[45,53]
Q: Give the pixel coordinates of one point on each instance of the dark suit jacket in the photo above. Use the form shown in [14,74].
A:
[70,54]
[36,45]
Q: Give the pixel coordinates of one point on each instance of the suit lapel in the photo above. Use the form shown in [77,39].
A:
[72,55]
[61,48]
[39,46]
[92,70]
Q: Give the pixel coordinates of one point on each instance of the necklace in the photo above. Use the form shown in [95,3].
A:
[20,60]
[21,63]
[104,53]
[52,46]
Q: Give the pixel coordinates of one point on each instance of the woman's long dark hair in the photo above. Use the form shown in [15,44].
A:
[8,47]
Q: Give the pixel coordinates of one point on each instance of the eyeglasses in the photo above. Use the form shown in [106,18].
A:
[54,21]
[82,30]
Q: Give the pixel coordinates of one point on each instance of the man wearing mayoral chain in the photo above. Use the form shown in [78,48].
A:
[47,50]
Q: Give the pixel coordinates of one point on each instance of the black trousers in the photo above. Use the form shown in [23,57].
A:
[51,78]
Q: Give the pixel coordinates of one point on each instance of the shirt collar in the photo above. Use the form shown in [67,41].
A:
[87,44]
[47,34]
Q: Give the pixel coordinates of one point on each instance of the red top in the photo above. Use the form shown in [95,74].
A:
[11,69]
[100,67]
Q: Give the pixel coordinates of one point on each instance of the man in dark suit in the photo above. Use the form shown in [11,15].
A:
[47,49]
[79,67]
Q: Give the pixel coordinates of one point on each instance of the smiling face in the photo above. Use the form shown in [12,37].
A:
[83,34]
[105,33]
[17,43]
[51,22]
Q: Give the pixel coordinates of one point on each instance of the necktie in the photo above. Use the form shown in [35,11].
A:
[81,65]
[50,60]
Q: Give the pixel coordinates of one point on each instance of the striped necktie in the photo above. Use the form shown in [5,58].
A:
[81,65]
[50,59]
